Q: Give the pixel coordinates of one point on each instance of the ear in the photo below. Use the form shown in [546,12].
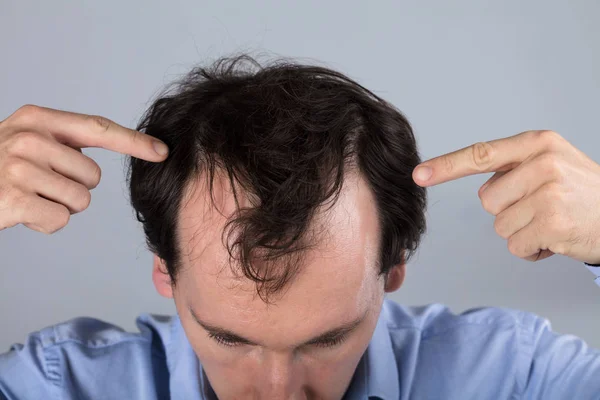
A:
[161,278]
[395,277]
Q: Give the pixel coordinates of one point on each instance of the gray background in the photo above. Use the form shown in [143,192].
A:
[462,74]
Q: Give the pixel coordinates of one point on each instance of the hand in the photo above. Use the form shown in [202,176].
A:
[44,176]
[545,193]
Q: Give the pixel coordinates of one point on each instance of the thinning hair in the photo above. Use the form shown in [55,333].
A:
[287,134]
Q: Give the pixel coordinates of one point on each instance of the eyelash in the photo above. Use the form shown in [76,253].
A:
[324,344]
[332,342]
[223,341]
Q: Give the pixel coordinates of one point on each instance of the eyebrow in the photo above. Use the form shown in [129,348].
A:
[337,332]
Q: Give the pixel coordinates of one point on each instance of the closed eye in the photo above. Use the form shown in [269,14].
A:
[329,342]
[225,340]
[330,339]
[233,342]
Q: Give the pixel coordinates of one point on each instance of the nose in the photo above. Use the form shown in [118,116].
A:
[283,378]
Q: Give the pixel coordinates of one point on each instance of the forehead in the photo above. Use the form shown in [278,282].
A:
[339,271]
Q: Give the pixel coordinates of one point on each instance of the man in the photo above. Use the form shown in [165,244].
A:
[288,204]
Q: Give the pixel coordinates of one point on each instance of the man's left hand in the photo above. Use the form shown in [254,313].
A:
[545,193]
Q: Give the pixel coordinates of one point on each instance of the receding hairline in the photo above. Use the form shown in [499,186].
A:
[317,232]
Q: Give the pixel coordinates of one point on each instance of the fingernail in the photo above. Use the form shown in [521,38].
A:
[160,148]
[423,173]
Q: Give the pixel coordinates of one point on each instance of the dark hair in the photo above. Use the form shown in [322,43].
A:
[286,133]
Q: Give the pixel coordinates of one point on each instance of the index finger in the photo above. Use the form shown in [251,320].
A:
[81,130]
[496,155]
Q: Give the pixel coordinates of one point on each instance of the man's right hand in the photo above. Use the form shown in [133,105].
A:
[44,176]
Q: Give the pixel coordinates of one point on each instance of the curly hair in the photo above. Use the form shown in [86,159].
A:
[287,134]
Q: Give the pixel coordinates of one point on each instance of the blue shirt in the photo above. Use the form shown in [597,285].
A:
[415,353]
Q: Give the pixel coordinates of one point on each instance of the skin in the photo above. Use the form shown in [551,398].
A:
[544,195]
[44,176]
[338,283]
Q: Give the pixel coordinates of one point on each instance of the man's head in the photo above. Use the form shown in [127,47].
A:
[285,210]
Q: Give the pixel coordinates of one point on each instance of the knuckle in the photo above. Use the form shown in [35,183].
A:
[488,204]
[549,138]
[551,164]
[558,248]
[9,197]
[548,135]
[99,123]
[500,226]
[556,225]
[554,195]
[14,169]
[448,164]
[23,143]
[95,175]
[26,114]
[60,220]
[480,194]
[19,205]
[136,137]
[514,247]
[81,200]
[482,155]
[28,108]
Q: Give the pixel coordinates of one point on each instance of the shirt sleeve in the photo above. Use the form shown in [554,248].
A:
[26,372]
[594,269]
[559,366]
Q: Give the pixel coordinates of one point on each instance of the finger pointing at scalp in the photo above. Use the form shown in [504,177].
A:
[81,130]
[483,157]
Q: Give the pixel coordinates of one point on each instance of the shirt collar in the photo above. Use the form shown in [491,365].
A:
[383,378]
[184,367]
